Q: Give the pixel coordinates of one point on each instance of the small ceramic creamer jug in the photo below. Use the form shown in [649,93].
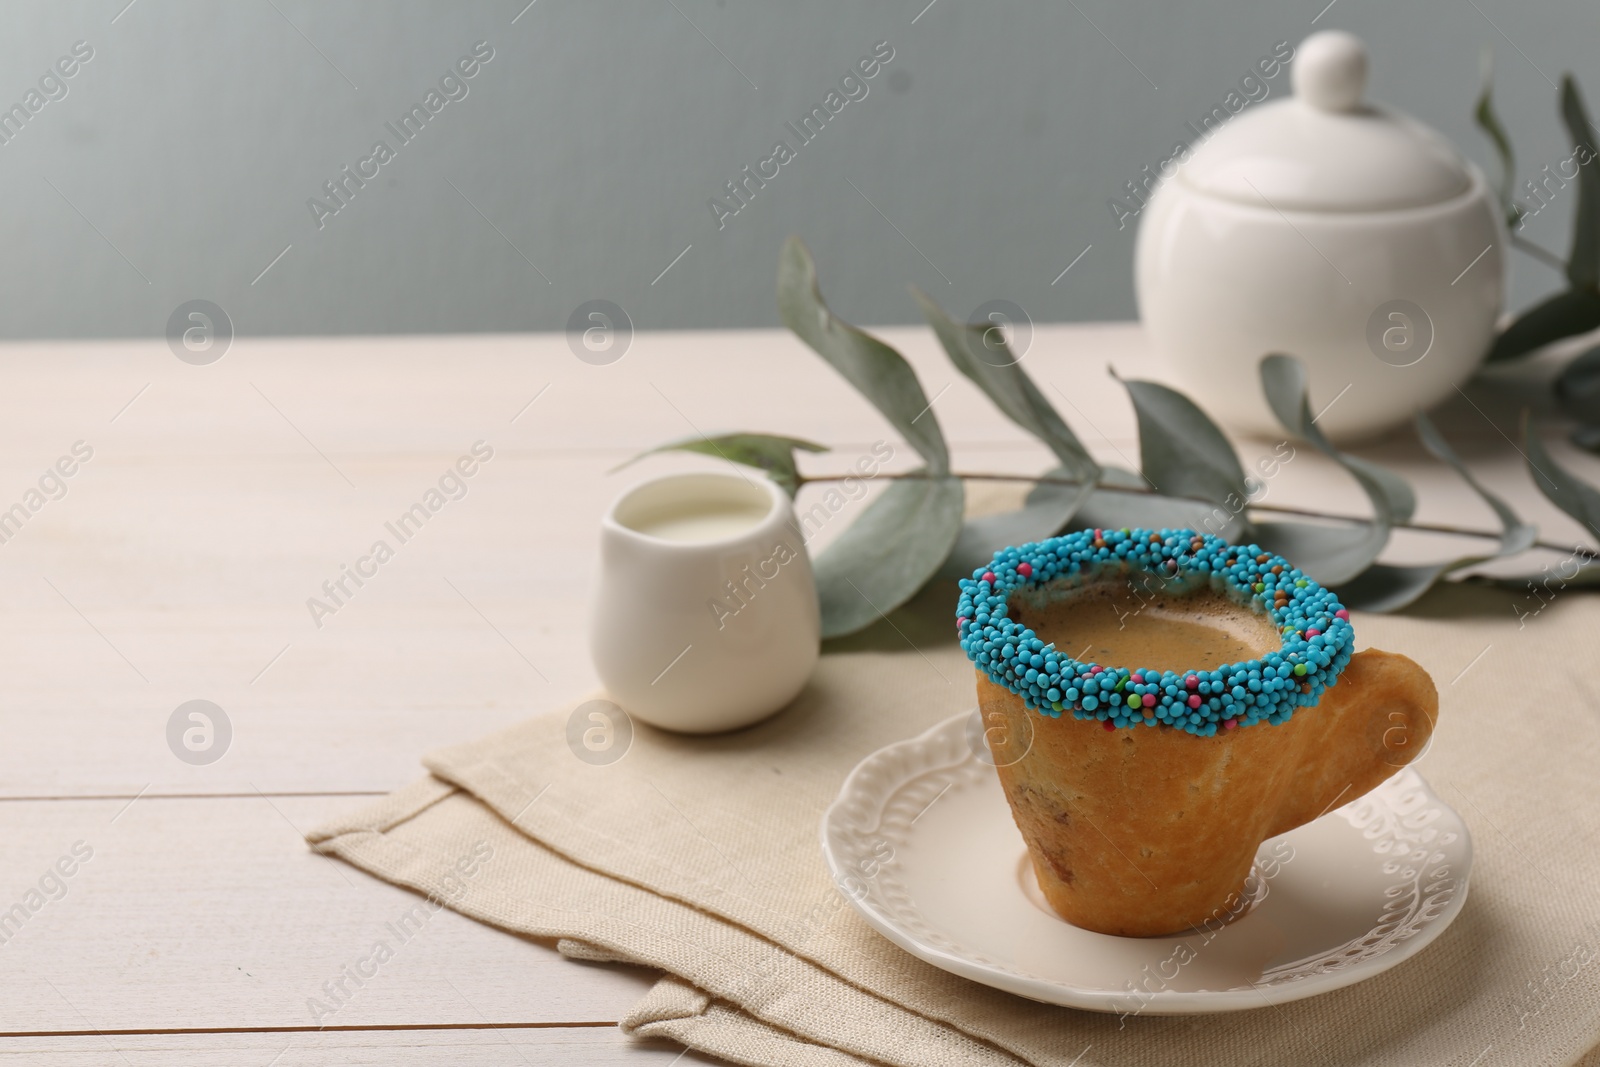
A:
[706,617]
[1332,230]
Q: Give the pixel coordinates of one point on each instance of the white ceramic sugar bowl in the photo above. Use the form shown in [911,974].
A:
[1332,230]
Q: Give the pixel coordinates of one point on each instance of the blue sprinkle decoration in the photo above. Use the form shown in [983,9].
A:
[1317,638]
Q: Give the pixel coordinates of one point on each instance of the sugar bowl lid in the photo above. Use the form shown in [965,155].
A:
[1326,149]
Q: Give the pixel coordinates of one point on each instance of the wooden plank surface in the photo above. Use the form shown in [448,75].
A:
[177,566]
[212,913]
[180,562]
[567,1046]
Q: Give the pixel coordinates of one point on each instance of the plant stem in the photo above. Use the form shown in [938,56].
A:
[1543,255]
[1279,509]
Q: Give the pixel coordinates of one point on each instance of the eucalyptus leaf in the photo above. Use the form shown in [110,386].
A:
[1288,381]
[1567,314]
[1586,437]
[1389,587]
[766,452]
[1583,262]
[1049,507]
[1330,559]
[979,352]
[1332,555]
[1114,509]
[1124,499]
[1402,499]
[1515,534]
[1578,387]
[1385,587]
[888,553]
[1560,486]
[1120,478]
[877,371]
[1587,577]
[1580,570]
[1489,122]
[1181,451]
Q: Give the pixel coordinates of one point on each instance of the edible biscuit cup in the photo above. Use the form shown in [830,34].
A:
[1144,795]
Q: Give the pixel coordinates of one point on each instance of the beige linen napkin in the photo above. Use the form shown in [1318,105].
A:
[700,856]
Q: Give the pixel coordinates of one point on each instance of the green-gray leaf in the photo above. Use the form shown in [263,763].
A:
[879,372]
[1181,451]
[1387,587]
[888,553]
[1583,262]
[1114,477]
[765,452]
[1587,437]
[1332,555]
[1489,123]
[1560,486]
[1580,570]
[1124,499]
[979,352]
[1578,387]
[1048,509]
[1567,314]
[1515,535]
[1330,558]
[1113,509]
[1289,382]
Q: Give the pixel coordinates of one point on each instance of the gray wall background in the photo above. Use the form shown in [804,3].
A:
[979,165]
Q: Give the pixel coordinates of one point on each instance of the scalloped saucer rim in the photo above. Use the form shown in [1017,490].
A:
[964,905]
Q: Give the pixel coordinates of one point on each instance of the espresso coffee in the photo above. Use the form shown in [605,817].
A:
[1126,624]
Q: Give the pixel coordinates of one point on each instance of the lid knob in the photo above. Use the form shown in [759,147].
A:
[1330,71]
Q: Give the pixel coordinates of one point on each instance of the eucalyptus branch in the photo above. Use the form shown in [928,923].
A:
[1539,252]
[1277,509]
[1179,444]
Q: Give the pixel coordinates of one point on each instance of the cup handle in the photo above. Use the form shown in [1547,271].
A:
[1377,719]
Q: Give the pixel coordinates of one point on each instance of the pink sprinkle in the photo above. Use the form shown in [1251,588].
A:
[1109,725]
[1025,569]
[1343,614]
[1313,632]
[1096,670]
[1192,682]
[988,576]
[1138,677]
[1194,700]
[1149,700]
[1228,724]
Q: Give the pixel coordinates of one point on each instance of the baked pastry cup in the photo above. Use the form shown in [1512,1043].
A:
[1143,794]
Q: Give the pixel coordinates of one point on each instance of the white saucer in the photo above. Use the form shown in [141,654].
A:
[921,841]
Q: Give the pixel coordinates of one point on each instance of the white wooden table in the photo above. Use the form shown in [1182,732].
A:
[178,566]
